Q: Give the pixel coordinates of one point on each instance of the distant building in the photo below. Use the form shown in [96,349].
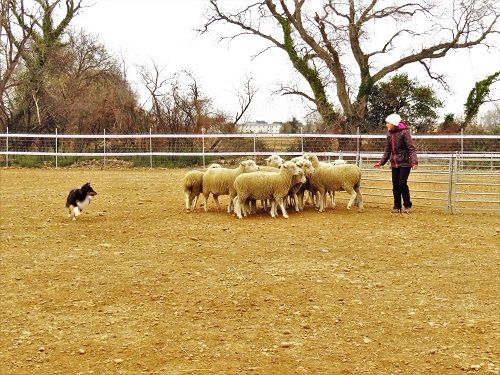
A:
[259,127]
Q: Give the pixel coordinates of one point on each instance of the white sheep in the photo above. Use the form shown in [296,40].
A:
[295,185]
[220,181]
[274,161]
[298,190]
[192,185]
[331,178]
[264,185]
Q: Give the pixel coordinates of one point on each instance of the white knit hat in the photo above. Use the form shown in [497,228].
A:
[393,119]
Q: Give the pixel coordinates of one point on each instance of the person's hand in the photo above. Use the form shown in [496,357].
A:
[414,166]
[377,165]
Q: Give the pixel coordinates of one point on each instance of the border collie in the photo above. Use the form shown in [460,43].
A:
[79,199]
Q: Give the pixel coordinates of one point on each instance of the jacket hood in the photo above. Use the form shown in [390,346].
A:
[402,126]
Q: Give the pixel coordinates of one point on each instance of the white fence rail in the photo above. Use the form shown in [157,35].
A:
[225,145]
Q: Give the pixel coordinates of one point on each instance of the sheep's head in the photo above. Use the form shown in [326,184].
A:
[249,166]
[274,161]
[312,158]
[292,167]
[300,178]
[306,166]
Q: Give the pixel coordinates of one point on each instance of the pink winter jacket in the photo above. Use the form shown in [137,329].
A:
[400,148]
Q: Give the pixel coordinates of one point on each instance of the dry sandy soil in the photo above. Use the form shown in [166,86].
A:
[137,285]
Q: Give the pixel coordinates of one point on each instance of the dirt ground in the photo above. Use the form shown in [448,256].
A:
[138,286]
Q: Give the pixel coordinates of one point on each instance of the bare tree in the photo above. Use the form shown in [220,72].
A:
[245,98]
[15,34]
[156,86]
[340,43]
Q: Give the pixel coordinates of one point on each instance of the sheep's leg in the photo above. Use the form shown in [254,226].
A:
[315,199]
[282,206]
[273,210]
[321,200]
[245,208]
[309,198]
[237,207]
[216,199]
[300,200]
[296,202]
[253,206]
[230,205]
[187,200]
[195,201]
[359,199]
[264,204]
[349,190]
[206,195]
[332,196]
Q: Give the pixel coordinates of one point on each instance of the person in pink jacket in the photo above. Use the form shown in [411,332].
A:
[401,150]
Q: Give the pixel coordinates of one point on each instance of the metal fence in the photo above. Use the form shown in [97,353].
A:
[455,183]
[456,172]
[152,147]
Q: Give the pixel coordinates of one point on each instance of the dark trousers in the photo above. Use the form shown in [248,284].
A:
[400,186]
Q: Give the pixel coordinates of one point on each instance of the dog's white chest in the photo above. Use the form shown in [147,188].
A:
[83,204]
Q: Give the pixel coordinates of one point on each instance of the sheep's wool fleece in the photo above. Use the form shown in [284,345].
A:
[193,179]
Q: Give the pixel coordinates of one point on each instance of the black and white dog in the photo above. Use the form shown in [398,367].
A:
[79,199]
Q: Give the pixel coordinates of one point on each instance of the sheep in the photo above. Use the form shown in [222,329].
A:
[295,185]
[331,178]
[297,191]
[220,181]
[192,186]
[274,161]
[264,185]
[316,163]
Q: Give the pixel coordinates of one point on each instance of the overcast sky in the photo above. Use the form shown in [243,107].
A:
[164,31]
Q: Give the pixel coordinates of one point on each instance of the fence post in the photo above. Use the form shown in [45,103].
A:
[56,148]
[254,147]
[203,145]
[302,139]
[7,148]
[104,146]
[454,186]
[150,150]
[449,209]
[461,165]
[358,142]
